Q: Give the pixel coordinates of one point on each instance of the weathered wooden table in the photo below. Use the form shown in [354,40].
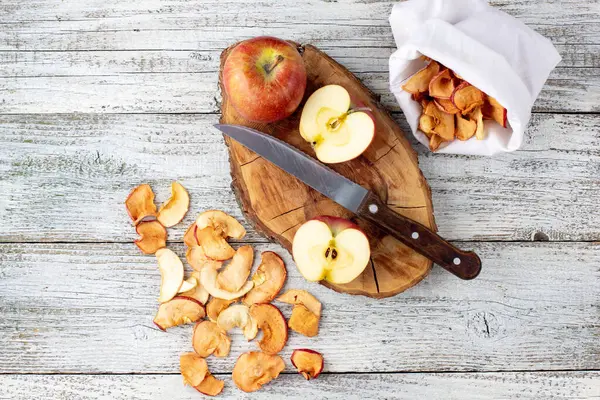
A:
[100,95]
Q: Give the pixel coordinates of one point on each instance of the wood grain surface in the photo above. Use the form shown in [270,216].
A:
[97,96]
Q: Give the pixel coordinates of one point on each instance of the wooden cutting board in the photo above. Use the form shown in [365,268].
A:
[277,204]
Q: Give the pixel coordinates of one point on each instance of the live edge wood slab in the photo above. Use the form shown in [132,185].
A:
[277,203]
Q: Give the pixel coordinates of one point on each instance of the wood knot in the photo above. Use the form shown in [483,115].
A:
[484,324]
[540,237]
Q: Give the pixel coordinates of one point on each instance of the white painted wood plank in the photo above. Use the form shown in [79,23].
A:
[475,386]
[65,177]
[88,308]
[212,24]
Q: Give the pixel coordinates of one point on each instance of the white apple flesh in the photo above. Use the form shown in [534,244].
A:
[330,248]
[171,274]
[336,132]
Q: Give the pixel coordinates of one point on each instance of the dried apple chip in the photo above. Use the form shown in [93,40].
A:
[171,274]
[465,128]
[189,237]
[254,369]
[271,321]
[419,82]
[178,311]
[215,306]
[446,105]
[197,259]
[173,211]
[140,203]
[494,111]
[197,293]
[236,273]
[193,368]
[209,339]
[214,244]
[153,236]
[268,279]
[308,362]
[445,128]
[208,279]
[303,321]
[225,225]
[297,296]
[210,386]
[442,85]
[426,124]
[467,97]
[188,284]
[477,116]
[238,315]
[434,142]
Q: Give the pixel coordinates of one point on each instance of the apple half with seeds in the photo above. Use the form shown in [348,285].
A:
[178,311]
[254,369]
[268,279]
[209,338]
[309,363]
[330,248]
[272,322]
[174,209]
[337,132]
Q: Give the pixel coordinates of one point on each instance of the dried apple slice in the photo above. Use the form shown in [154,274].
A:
[494,111]
[441,85]
[140,203]
[197,293]
[238,315]
[444,126]
[208,279]
[209,339]
[426,124]
[172,212]
[477,116]
[193,368]
[254,369]
[465,128]
[197,259]
[189,237]
[297,296]
[434,142]
[178,311]
[216,306]
[467,97]
[309,363]
[268,279]
[153,236]
[171,274]
[236,273]
[210,386]
[303,321]
[213,244]
[271,321]
[419,82]
[446,105]
[188,284]
[225,225]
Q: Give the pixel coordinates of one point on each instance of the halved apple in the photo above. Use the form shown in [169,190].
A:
[153,236]
[268,279]
[302,297]
[236,273]
[308,362]
[178,311]
[140,203]
[209,338]
[197,259]
[303,321]
[173,211]
[208,279]
[210,386]
[171,274]
[330,248]
[336,132]
[271,321]
[193,368]
[216,306]
[198,292]
[188,284]
[225,225]
[213,244]
[238,315]
[254,369]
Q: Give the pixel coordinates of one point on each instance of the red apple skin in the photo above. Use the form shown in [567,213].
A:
[312,352]
[265,79]
[337,224]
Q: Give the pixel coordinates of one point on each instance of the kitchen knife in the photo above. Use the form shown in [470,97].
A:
[362,202]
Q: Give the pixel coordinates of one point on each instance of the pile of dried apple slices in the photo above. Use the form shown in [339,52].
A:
[237,301]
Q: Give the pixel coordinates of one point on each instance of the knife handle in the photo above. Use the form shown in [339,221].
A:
[464,264]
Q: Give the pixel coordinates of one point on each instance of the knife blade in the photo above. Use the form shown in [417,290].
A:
[357,199]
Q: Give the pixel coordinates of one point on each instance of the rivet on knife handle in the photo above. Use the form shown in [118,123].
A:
[464,264]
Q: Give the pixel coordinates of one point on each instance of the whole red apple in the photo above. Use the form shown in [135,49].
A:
[265,79]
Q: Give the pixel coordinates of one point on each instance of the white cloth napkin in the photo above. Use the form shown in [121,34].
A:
[488,48]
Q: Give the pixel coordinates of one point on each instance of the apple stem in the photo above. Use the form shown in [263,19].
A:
[270,67]
[353,110]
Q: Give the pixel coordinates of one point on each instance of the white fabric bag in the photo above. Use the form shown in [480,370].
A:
[488,48]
